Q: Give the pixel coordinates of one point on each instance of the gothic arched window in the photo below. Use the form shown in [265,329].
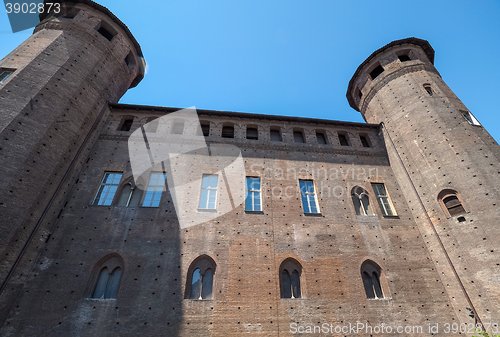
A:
[371,274]
[290,273]
[200,280]
[361,201]
[106,277]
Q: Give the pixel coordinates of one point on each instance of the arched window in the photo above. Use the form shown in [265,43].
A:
[371,274]
[200,280]
[130,195]
[450,202]
[290,273]
[428,88]
[361,201]
[106,277]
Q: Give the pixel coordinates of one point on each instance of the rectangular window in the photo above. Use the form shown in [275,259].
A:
[298,136]
[469,117]
[384,200]
[364,140]
[205,128]
[228,131]
[252,133]
[276,135]
[343,139]
[126,124]
[107,31]
[253,202]
[376,71]
[5,74]
[308,195]
[321,137]
[178,128]
[208,195]
[108,188]
[154,191]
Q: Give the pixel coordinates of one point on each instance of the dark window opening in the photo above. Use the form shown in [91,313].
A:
[107,281]
[461,219]
[290,273]
[343,139]
[200,279]
[376,71]
[205,128]
[5,74]
[71,13]
[428,88]
[359,94]
[298,136]
[321,137]
[228,131]
[178,128]
[126,124]
[364,141]
[276,135]
[453,205]
[370,274]
[130,60]
[252,133]
[106,31]
[404,57]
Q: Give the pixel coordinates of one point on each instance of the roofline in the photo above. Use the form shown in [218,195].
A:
[424,44]
[241,115]
[116,20]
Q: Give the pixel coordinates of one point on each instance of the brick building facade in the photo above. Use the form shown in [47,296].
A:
[390,221]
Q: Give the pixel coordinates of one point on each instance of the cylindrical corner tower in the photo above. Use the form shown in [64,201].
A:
[447,164]
[54,92]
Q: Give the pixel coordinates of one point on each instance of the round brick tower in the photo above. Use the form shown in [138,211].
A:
[447,164]
[54,93]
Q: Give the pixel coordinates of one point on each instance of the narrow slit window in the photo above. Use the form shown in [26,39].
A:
[130,60]
[228,131]
[365,141]
[376,72]
[469,117]
[208,195]
[359,94]
[276,135]
[343,139]
[298,136]
[253,200]
[108,188]
[154,190]
[384,200]
[252,133]
[321,138]
[308,196]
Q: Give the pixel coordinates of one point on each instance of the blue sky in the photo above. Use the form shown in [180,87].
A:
[290,57]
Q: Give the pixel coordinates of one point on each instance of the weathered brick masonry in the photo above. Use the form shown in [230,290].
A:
[60,133]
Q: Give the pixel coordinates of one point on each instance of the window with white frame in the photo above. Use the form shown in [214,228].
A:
[154,191]
[469,117]
[208,196]
[5,74]
[108,188]
[308,196]
[253,200]
[384,200]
